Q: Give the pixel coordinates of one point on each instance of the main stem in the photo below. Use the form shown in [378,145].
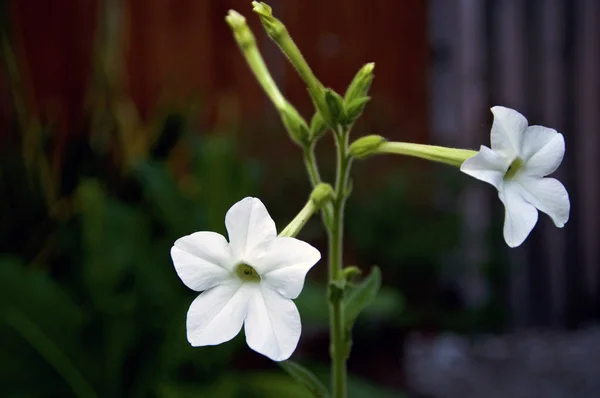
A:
[336,303]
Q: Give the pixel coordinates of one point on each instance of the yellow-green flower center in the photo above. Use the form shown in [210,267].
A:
[514,167]
[247,273]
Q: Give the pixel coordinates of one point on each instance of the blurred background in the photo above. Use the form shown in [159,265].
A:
[125,124]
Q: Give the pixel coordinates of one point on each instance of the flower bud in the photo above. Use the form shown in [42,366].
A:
[321,193]
[279,34]
[272,25]
[240,29]
[361,83]
[295,125]
[366,146]
[351,272]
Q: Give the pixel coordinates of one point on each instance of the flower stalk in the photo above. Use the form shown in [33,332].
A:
[320,196]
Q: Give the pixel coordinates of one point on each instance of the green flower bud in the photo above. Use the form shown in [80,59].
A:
[321,193]
[272,25]
[279,34]
[240,29]
[366,146]
[351,272]
[319,196]
[295,125]
[361,83]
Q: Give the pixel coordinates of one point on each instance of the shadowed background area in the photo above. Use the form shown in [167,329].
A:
[127,124]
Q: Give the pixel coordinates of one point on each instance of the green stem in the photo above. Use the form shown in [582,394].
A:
[310,161]
[336,236]
[296,225]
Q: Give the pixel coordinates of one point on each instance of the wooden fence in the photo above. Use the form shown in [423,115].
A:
[542,58]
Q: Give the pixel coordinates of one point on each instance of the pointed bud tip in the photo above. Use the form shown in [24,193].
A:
[262,9]
[368,68]
[235,19]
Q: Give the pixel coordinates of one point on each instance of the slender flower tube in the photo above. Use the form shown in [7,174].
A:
[376,144]
[250,280]
[517,164]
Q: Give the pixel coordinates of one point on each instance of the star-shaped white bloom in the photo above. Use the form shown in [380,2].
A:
[250,280]
[520,158]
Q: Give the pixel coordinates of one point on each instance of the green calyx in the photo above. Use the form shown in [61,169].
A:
[366,146]
[359,87]
[514,168]
[295,125]
[322,193]
[247,273]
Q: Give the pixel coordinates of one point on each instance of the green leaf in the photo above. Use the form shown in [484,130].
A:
[360,297]
[45,317]
[305,377]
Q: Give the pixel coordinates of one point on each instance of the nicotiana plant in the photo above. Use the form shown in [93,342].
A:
[251,279]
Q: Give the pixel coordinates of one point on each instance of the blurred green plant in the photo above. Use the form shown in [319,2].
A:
[416,247]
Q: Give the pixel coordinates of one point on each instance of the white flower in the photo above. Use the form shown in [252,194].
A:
[516,165]
[250,280]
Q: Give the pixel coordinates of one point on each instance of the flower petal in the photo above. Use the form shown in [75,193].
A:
[520,215]
[486,166]
[248,224]
[549,196]
[283,263]
[543,150]
[273,325]
[217,315]
[202,260]
[507,131]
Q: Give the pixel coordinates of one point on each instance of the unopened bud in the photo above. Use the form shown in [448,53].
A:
[321,194]
[366,146]
[240,29]
[295,125]
[359,87]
